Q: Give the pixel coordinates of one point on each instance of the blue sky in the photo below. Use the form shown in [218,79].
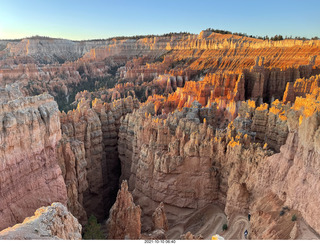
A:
[79,20]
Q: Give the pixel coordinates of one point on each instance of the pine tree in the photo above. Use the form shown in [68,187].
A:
[92,230]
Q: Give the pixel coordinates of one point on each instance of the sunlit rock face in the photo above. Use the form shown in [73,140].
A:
[227,167]
[54,222]
[57,65]
[29,172]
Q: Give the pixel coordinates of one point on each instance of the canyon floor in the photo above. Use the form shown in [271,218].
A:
[208,221]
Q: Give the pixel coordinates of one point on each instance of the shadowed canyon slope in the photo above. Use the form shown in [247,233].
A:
[198,125]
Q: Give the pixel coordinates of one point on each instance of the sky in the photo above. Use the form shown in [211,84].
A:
[99,19]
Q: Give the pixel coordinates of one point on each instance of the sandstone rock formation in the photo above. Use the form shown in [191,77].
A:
[71,159]
[159,218]
[268,223]
[84,126]
[60,67]
[110,115]
[97,164]
[30,132]
[301,87]
[223,167]
[10,92]
[164,152]
[124,218]
[48,223]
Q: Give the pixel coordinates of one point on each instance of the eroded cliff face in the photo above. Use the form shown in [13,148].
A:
[164,153]
[83,125]
[89,155]
[49,50]
[48,223]
[73,164]
[59,66]
[232,167]
[110,115]
[29,173]
[301,87]
[294,171]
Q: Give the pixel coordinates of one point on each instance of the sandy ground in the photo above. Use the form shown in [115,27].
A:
[237,227]
[207,221]
[306,232]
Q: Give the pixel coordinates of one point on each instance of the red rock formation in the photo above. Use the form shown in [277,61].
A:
[29,170]
[110,115]
[301,87]
[47,223]
[224,167]
[95,169]
[190,55]
[168,158]
[124,219]
[159,218]
[71,158]
[267,223]
[190,131]
[84,125]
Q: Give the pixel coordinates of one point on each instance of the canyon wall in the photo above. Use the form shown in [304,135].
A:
[83,126]
[301,87]
[29,174]
[89,156]
[233,167]
[73,164]
[49,50]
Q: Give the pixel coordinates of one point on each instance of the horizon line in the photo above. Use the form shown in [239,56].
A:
[159,35]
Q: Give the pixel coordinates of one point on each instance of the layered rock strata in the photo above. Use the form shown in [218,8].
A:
[270,125]
[58,66]
[167,151]
[84,125]
[301,87]
[95,168]
[109,115]
[48,223]
[30,176]
[225,167]
[71,159]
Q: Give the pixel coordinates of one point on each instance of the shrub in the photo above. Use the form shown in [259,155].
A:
[294,217]
[92,230]
[224,227]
